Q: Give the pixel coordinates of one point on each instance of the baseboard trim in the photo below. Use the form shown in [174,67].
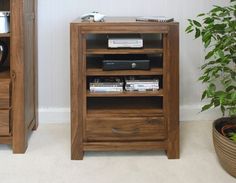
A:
[193,113]
[54,115]
[187,113]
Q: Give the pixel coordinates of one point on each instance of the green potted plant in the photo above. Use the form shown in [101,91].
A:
[217,30]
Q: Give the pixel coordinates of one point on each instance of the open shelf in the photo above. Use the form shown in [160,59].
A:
[100,72]
[5,35]
[128,106]
[5,74]
[127,94]
[5,5]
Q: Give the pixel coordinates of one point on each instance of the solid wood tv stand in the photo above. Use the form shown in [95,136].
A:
[129,120]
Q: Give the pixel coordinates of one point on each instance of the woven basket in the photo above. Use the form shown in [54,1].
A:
[224,147]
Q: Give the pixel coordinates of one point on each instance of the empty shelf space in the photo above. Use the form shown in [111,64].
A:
[128,106]
[5,74]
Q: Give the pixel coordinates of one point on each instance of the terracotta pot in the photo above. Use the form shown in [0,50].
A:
[224,147]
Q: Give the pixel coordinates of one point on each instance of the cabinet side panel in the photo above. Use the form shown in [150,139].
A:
[17,75]
[29,61]
[173,124]
[76,93]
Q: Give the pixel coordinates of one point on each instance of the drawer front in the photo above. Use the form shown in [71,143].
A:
[4,94]
[125,129]
[4,122]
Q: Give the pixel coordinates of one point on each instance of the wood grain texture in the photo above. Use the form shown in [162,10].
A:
[4,122]
[125,146]
[6,140]
[35,39]
[76,94]
[173,93]
[125,129]
[100,72]
[17,71]
[22,72]
[124,51]
[124,121]
[125,94]
[5,93]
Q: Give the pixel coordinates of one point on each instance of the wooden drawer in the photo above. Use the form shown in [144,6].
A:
[4,122]
[4,94]
[125,129]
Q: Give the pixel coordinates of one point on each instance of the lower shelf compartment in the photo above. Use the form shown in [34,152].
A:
[125,107]
[125,146]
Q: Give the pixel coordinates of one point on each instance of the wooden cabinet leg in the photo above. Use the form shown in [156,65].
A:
[19,146]
[77,155]
[173,151]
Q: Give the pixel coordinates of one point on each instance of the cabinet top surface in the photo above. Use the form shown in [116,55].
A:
[121,20]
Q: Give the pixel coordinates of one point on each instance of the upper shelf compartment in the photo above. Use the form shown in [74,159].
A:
[4,5]
[98,44]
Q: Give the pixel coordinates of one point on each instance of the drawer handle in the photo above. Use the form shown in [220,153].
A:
[124,132]
[154,121]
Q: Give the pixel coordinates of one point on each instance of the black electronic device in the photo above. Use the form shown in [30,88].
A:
[126,64]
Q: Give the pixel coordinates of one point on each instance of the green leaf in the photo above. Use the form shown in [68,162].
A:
[216,9]
[190,31]
[200,15]
[208,42]
[230,88]
[197,23]
[209,55]
[188,28]
[221,54]
[204,95]
[233,96]
[201,78]
[222,108]
[206,107]
[233,136]
[190,21]
[212,87]
[207,78]
[208,20]
[198,33]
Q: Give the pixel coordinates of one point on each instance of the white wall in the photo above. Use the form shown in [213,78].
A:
[54,72]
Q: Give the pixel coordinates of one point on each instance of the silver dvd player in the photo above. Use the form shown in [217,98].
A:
[125,41]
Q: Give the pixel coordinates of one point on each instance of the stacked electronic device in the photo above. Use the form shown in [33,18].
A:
[124,62]
[109,84]
[129,84]
[141,84]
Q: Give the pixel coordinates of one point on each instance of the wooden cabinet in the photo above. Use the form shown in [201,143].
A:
[124,121]
[18,75]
